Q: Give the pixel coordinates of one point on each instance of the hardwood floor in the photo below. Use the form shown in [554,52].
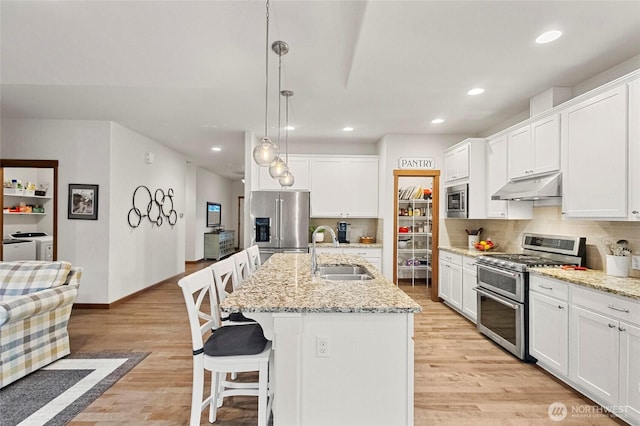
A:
[461,378]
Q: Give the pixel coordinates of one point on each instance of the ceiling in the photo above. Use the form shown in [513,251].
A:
[191,75]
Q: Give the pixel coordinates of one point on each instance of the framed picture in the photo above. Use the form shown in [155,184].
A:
[83,201]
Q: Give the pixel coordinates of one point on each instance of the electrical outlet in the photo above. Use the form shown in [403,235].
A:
[322,347]
[635,262]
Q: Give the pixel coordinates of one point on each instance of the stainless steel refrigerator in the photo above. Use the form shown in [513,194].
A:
[280,221]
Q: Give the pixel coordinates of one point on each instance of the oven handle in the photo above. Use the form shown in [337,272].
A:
[497,299]
[498,270]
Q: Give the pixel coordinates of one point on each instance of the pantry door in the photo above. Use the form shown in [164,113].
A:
[416,207]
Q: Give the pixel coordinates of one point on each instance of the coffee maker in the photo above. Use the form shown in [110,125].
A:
[344,231]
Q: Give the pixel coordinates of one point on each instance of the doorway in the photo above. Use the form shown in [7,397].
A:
[240,234]
[416,219]
[35,212]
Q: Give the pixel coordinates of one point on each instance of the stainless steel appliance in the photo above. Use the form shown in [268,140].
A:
[280,222]
[456,201]
[503,287]
[344,232]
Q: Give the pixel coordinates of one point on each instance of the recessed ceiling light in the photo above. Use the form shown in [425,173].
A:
[289,128]
[476,91]
[437,121]
[216,149]
[548,37]
[347,129]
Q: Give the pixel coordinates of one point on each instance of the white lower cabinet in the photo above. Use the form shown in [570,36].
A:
[450,279]
[590,339]
[549,323]
[469,282]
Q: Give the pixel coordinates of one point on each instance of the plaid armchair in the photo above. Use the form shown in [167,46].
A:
[35,305]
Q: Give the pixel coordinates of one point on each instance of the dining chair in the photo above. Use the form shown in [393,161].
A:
[226,281]
[222,350]
[243,267]
[254,257]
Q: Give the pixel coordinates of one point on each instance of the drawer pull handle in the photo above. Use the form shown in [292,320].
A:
[560,307]
[545,287]
[621,328]
[612,326]
[618,309]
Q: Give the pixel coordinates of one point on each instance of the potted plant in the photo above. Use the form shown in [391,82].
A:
[319,235]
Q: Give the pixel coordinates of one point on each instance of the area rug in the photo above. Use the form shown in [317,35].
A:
[55,394]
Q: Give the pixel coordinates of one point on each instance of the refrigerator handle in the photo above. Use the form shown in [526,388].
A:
[280,220]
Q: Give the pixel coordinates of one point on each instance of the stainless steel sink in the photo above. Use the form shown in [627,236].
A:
[344,273]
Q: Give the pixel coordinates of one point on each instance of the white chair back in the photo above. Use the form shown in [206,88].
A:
[225,277]
[196,288]
[243,268]
[254,257]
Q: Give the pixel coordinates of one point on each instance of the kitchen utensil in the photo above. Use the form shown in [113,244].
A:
[574,267]
[473,231]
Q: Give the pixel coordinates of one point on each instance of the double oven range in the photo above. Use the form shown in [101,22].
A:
[503,287]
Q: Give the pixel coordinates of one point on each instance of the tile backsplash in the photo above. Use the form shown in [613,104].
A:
[546,220]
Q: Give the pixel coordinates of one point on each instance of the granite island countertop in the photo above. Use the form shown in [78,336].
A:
[284,284]
[596,279]
[346,245]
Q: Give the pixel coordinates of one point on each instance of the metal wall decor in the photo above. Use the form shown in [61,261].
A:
[156,207]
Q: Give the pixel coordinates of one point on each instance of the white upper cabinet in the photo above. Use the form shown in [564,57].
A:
[634,150]
[456,162]
[594,156]
[534,149]
[344,187]
[298,164]
[497,178]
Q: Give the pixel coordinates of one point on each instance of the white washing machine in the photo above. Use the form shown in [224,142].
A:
[16,249]
[43,243]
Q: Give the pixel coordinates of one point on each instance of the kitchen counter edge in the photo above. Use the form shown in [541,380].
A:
[595,279]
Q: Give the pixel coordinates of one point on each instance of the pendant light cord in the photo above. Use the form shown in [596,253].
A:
[279,91]
[286,131]
[266,73]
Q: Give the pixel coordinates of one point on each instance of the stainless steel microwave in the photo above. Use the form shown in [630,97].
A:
[457,201]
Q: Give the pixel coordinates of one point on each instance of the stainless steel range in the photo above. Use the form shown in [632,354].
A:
[503,286]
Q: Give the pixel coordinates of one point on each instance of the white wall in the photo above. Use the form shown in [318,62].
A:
[82,149]
[143,256]
[390,149]
[118,260]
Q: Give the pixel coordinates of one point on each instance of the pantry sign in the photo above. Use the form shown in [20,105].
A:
[416,163]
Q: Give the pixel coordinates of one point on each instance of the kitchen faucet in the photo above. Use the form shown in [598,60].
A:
[314,259]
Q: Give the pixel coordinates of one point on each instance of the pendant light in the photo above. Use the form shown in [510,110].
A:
[287,177]
[279,167]
[265,153]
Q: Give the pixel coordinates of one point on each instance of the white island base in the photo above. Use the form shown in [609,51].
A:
[364,376]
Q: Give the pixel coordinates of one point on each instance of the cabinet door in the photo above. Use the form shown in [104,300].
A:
[456,163]
[361,184]
[519,153]
[469,295]
[456,286]
[634,150]
[630,369]
[594,342]
[496,176]
[444,280]
[549,332]
[545,144]
[594,156]
[328,195]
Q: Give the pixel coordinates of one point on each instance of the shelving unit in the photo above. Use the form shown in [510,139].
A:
[414,241]
[10,201]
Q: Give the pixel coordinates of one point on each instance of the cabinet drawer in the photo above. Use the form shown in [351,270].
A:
[549,286]
[607,304]
[364,252]
[453,258]
[469,263]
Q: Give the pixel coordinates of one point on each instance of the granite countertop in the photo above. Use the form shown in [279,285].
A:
[284,284]
[466,251]
[347,245]
[596,279]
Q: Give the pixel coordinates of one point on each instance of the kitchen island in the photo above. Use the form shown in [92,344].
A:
[343,350]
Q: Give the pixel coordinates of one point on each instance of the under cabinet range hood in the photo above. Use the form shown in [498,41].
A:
[538,188]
